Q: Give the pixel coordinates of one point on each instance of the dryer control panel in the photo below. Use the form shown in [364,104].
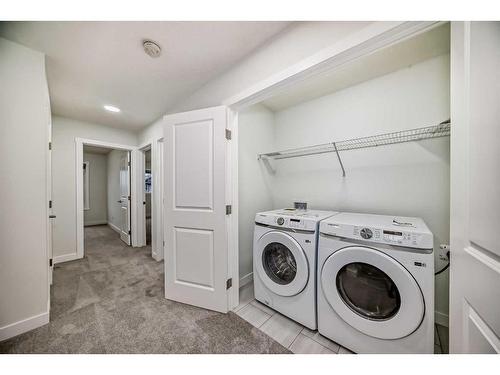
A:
[392,232]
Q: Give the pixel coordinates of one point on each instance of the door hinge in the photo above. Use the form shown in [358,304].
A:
[228,134]
[229,209]
[129,232]
[50,145]
[129,164]
[50,204]
[129,197]
[50,262]
[163,243]
[229,283]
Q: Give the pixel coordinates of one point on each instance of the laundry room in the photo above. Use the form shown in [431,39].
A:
[370,135]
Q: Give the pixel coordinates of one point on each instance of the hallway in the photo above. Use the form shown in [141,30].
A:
[111,301]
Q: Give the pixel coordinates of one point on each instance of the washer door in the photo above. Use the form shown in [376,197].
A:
[281,264]
[372,292]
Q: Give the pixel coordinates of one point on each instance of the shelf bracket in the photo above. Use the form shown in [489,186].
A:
[268,164]
[340,160]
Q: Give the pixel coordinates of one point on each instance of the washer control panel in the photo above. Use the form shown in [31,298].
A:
[287,222]
[290,222]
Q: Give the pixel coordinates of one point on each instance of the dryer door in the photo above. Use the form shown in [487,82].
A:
[281,264]
[372,292]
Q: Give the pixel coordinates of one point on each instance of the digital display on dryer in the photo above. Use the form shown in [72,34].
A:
[393,233]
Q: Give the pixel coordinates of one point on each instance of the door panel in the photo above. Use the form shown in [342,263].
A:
[195,217]
[475,177]
[125,198]
[194,250]
[194,165]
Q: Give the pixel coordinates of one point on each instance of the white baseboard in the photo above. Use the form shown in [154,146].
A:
[247,279]
[157,257]
[65,258]
[114,227]
[22,326]
[441,318]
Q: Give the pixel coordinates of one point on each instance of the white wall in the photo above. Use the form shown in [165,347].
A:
[409,179]
[255,135]
[113,193]
[98,183]
[24,136]
[64,132]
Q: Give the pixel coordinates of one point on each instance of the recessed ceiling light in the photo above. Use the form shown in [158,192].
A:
[111,108]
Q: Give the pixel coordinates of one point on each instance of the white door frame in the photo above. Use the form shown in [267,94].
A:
[79,143]
[155,145]
[370,39]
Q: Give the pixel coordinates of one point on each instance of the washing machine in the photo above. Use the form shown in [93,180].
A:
[376,283]
[284,262]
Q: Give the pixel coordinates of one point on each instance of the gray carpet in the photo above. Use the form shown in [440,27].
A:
[112,302]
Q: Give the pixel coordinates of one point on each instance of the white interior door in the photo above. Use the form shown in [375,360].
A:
[49,198]
[125,198]
[195,208]
[475,181]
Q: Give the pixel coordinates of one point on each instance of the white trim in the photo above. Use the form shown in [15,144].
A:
[22,326]
[247,279]
[137,192]
[366,41]
[441,318]
[114,227]
[156,197]
[79,142]
[65,258]
[232,199]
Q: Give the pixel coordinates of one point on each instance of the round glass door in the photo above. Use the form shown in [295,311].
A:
[281,263]
[368,291]
[372,292]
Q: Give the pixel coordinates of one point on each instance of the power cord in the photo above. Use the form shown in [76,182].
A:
[445,267]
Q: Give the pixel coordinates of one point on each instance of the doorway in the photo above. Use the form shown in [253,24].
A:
[104,189]
[149,202]
[148,189]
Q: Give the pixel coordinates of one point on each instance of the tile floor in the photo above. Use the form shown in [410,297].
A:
[290,334]
[299,339]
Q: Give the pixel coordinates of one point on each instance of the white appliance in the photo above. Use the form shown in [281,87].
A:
[284,262]
[376,283]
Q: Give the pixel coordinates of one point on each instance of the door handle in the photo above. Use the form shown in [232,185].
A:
[119,201]
[52,216]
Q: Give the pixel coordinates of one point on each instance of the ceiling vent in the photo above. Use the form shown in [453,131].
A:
[151,48]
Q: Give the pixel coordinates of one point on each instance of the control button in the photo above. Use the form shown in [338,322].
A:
[366,233]
[280,221]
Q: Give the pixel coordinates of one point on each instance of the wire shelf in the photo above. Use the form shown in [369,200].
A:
[435,131]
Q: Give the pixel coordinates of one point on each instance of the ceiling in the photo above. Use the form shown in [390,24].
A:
[411,51]
[90,64]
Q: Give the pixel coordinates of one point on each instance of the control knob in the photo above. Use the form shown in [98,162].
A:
[366,233]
